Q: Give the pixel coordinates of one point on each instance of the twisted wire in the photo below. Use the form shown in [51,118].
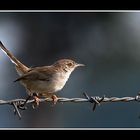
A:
[95,100]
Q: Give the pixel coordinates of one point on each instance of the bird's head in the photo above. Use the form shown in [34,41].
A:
[67,65]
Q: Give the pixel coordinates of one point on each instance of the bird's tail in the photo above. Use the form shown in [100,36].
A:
[21,68]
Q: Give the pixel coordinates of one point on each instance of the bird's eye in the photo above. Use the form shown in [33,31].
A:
[69,64]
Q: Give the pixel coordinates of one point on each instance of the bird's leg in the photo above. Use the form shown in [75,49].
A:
[36,98]
[55,99]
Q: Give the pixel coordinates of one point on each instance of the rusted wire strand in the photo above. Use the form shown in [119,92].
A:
[95,100]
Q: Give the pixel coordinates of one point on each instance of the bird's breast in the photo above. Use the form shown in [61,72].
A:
[56,83]
[60,80]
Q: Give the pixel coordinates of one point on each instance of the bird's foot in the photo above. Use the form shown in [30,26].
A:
[55,99]
[36,101]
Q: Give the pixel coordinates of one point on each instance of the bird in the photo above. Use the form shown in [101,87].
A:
[43,81]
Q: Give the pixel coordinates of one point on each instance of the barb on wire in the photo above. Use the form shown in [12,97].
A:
[95,100]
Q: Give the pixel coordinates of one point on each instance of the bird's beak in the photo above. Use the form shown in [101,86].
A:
[79,65]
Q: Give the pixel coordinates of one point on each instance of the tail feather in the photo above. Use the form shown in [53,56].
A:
[21,68]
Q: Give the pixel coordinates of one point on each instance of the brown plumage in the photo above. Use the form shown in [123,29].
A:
[46,80]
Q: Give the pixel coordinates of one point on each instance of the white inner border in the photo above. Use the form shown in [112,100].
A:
[81,11]
[76,11]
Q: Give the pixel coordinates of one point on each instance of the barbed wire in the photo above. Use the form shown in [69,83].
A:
[95,100]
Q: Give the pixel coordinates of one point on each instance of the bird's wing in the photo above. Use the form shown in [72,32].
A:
[36,75]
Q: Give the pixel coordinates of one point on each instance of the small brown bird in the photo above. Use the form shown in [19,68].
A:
[43,81]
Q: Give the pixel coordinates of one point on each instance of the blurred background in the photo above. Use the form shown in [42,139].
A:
[107,43]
